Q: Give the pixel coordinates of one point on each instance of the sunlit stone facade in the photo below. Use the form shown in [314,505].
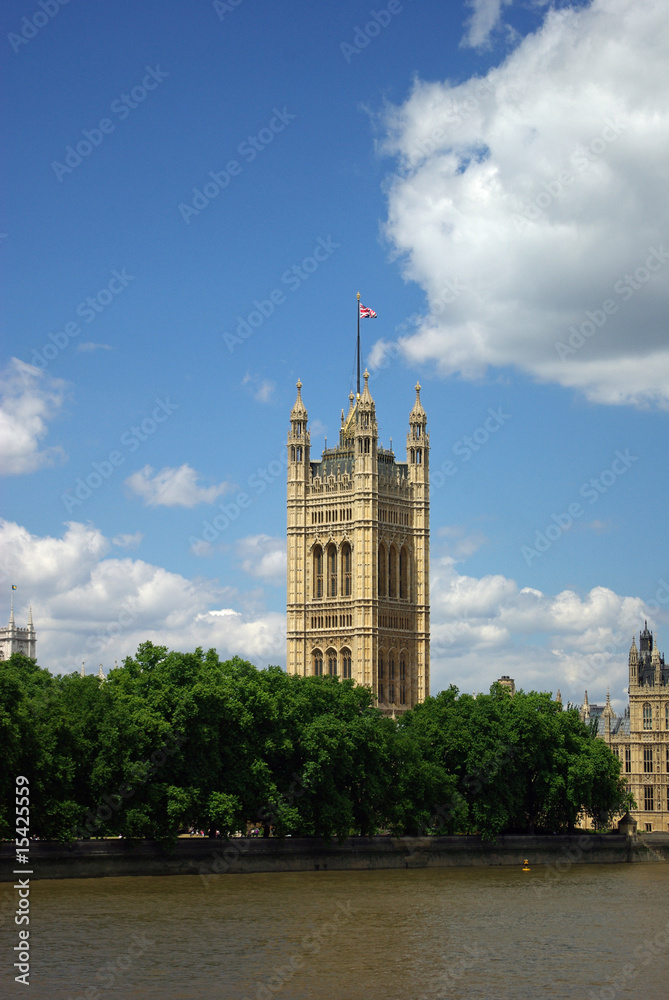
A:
[358,555]
[640,737]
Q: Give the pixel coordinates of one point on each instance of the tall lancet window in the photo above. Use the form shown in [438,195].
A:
[332,571]
[318,571]
[647,716]
[346,569]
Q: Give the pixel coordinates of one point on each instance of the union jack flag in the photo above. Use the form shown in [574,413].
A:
[366,313]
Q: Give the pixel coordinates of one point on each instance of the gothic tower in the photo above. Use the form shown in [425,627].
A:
[358,555]
[18,640]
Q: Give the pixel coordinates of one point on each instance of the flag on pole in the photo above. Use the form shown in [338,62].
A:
[14,587]
[366,312]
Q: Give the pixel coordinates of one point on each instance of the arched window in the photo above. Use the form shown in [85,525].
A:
[392,572]
[318,571]
[381,666]
[666,717]
[383,571]
[332,571]
[317,660]
[346,569]
[332,662]
[404,573]
[381,695]
[647,716]
[346,664]
[391,676]
[403,676]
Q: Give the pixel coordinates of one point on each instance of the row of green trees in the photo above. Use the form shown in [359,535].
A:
[175,740]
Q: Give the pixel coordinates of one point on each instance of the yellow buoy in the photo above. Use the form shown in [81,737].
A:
[526,865]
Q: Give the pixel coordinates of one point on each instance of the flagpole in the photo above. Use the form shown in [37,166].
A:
[358,343]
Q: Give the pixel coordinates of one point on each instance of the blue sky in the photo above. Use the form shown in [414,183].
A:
[193,195]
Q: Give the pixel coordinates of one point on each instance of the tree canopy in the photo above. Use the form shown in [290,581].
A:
[173,741]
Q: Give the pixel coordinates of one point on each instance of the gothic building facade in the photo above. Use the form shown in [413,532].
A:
[18,640]
[358,555]
[640,737]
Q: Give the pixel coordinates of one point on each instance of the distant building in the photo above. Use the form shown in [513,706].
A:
[640,736]
[358,555]
[18,640]
[508,682]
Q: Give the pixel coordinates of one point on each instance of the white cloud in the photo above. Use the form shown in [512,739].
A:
[262,390]
[486,16]
[484,628]
[533,201]
[28,400]
[89,345]
[92,607]
[460,544]
[173,487]
[128,541]
[263,557]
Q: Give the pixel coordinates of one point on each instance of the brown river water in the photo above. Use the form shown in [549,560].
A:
[591,931]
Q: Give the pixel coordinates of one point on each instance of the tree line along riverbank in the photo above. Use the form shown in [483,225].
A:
[173,741]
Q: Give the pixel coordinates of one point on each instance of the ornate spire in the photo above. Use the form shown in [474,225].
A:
[82,672]
[558,697]
[31,627]
[299,410]
[366,395]
[608,712]
[417,412]
[101,674]
[11,613]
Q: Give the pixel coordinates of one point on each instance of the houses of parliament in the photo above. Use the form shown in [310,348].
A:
[358,601]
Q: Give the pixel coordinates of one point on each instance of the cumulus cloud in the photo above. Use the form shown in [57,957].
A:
[485,627]
[92,607]
[173,487]
[262,390]
[128,541]
[263,557]
[486,17]
[531,207]
[28,400]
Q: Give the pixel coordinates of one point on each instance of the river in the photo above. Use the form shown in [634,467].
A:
[591,931]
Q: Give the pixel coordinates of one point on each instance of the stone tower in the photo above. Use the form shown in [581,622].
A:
[358,555]
[18,640]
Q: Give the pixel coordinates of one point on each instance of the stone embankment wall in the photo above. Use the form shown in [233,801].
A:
[204,857]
